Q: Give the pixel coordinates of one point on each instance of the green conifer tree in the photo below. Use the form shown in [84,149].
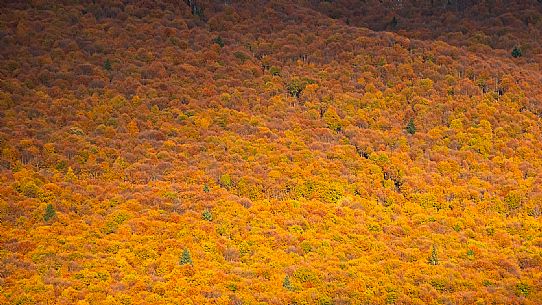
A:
[218,40]
[411,127]
[516,52]
[287,284]
[107,65]
[185,258]
[206,215]
[433,258]
[49,212]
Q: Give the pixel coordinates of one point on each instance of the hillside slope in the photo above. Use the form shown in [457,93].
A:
[482,26]
[261,152]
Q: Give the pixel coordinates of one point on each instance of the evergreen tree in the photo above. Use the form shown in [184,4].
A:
[516,52]
[218,40]
[49,212]
[207,215]
[185,258]
[394,22]
[107,65]
[433,258]
[287,284]
[411,127]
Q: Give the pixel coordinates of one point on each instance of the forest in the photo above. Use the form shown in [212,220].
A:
[270,152]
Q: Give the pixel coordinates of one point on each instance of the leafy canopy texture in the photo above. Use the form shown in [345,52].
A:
[270,152]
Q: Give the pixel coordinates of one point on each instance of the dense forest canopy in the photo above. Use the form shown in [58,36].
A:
[271,152]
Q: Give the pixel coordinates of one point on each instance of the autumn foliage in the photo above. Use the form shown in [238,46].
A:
[270,152]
